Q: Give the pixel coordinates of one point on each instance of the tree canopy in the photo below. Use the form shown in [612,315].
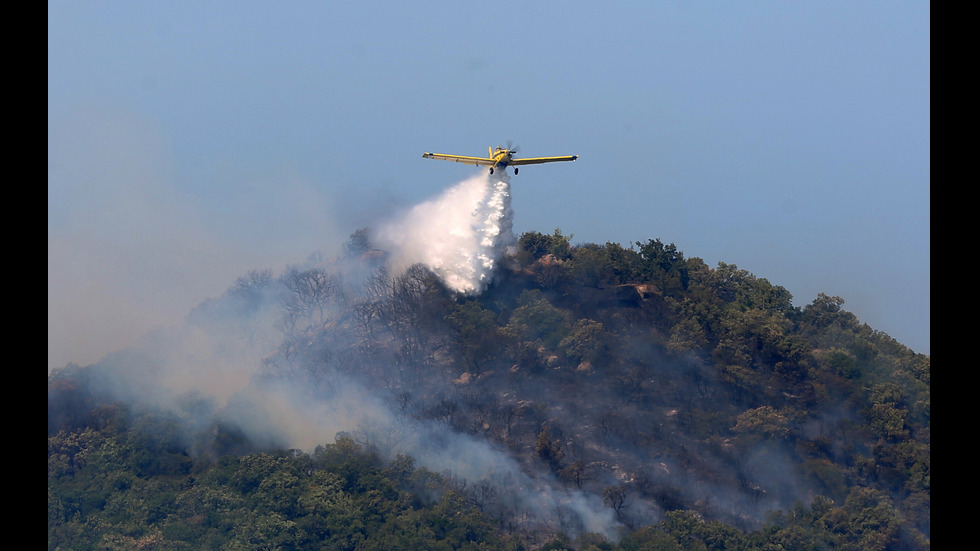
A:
[697,407]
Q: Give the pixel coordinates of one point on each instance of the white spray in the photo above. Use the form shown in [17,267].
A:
[460,235]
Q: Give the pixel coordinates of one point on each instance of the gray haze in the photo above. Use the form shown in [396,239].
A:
[243,356]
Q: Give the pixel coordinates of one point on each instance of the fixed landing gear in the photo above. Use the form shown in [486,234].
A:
[515,171]
[491,170]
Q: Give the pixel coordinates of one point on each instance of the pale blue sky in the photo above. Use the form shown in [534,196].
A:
[192,141]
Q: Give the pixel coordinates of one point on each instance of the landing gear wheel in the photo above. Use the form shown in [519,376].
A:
[515,171]
[491,170]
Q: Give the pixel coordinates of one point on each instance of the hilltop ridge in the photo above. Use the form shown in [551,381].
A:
[593,389]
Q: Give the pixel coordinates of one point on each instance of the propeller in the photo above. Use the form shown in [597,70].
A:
[511,147]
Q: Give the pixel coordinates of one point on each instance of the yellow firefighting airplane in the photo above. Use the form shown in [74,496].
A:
[500,157]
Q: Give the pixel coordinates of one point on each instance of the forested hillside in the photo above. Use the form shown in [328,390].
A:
[593,397]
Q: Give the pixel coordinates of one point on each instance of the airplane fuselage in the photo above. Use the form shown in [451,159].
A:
[501,157]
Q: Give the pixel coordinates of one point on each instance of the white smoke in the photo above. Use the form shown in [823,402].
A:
[221,358]
[216,364]
[293,413]
[460,235]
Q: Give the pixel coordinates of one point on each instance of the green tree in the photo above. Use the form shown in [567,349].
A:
[477,333]
[587,342]
[663,265]
[533,245]
[687,335]
[763,421]
[625,263]
[537,319]
[868,521]
[590,265]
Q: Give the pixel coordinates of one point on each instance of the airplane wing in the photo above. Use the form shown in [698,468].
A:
[460,159]
[539,160]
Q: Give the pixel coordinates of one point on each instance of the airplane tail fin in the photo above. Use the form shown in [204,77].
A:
[490,152]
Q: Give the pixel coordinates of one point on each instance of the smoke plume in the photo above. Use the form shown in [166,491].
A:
[236,361]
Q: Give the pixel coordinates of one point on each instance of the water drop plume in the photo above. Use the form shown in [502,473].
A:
[460,235]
